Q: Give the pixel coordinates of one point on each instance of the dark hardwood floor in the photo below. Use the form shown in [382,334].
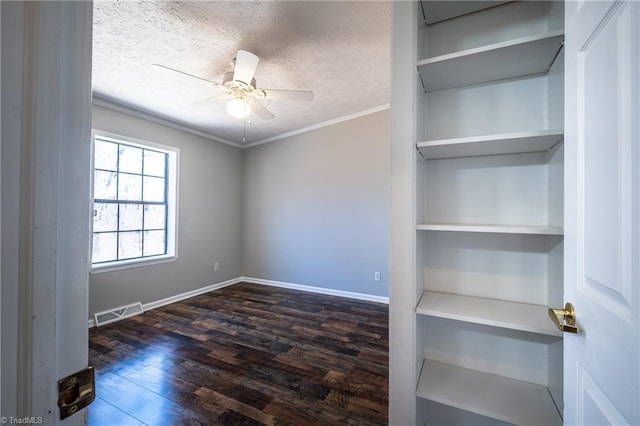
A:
[244,355]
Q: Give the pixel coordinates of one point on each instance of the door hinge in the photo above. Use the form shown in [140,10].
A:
[76,392]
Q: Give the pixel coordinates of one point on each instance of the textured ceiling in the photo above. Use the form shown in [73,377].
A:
[340,50]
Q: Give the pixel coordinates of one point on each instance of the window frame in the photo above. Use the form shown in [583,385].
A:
[172,181]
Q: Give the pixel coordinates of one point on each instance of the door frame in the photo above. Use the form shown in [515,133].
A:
[46,148]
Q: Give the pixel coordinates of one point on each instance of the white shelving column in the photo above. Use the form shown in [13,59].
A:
[477,88]
[404,362]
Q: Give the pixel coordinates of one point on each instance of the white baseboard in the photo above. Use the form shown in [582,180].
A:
[217,286]
[183,296]
[320,290]
[188,294]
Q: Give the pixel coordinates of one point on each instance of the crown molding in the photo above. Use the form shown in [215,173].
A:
[97,100]
[319,125]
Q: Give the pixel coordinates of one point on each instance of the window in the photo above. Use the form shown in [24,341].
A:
[134,202]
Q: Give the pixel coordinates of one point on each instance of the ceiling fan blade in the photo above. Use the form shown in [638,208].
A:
[246,63]
[261,111]
[185,74]
[290,95]
[210,98]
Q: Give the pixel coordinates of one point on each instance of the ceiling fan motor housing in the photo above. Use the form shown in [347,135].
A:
[230,83]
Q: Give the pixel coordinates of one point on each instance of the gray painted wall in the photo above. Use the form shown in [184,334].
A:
[311,209]
[210,219]
[316,207]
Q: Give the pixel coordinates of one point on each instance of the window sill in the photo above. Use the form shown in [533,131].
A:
[133,263]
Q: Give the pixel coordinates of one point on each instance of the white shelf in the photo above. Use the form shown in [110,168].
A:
[505,143]
[497,313]
[499,61]
[489,395]
[436,11]
[495,229]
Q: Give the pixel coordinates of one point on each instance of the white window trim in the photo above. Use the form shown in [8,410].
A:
[172,201]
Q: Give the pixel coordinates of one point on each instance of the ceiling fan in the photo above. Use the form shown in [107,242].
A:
[241,90]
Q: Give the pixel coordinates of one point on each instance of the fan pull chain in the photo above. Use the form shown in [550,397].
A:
[244,130]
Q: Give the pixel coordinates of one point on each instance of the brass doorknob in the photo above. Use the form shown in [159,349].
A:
[564,319]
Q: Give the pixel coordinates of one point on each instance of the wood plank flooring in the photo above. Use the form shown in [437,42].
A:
[244,355]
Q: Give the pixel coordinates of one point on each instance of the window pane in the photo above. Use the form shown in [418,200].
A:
[104,185]
[105,217]
[104,247]
[106,155]
[153,189]
[154,163]
[127,178]
[130,217]
[129,187]
[153,243]
[130,245]
[130,159]
[154,217]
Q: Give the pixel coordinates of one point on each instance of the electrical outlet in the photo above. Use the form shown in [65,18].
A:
[376,276]
[216,266]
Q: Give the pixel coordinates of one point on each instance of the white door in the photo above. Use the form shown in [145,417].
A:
[46,137]
[602,214]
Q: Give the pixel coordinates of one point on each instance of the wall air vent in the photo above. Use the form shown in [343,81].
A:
[117,314]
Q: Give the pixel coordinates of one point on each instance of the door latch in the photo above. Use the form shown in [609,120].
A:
[76,392]
[564,319]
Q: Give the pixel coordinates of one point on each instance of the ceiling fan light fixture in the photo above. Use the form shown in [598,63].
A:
[241,90]
[238,108]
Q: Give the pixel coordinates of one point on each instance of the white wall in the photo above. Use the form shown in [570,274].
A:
[210,220]
[316,207]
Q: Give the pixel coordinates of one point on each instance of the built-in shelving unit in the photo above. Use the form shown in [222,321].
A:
[479,310]
[500,398]
[487,211]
